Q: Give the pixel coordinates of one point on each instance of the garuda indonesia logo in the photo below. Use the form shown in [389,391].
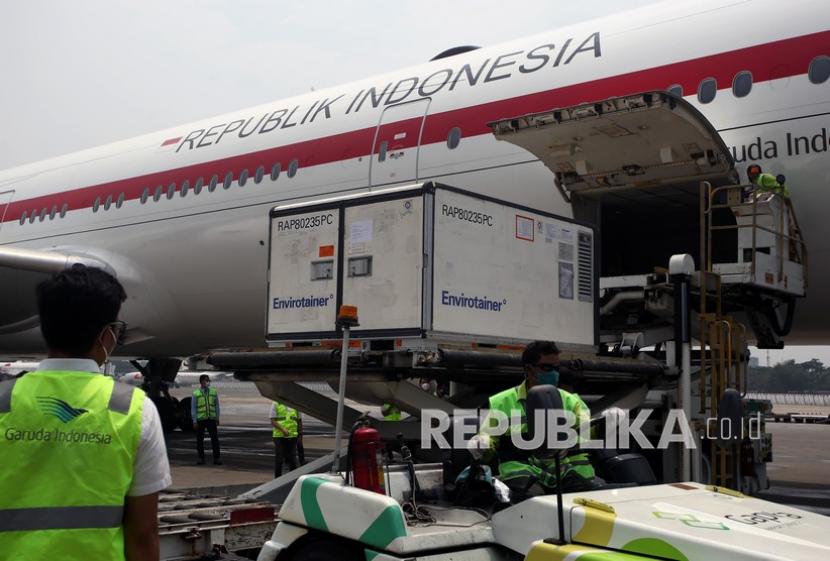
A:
[59,408]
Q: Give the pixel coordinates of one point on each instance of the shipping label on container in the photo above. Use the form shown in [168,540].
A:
[497,273]
[303,272]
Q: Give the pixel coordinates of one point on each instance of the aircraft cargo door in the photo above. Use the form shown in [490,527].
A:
[5,199]
[397,140]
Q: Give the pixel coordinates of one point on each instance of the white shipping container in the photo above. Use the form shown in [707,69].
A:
[430,261]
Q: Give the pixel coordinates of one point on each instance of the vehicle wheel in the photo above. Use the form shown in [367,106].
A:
[168,413]
[321,549]
[186,421]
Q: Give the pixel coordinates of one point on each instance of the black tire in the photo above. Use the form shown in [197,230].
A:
[322,549]
[186,421]
[168,413]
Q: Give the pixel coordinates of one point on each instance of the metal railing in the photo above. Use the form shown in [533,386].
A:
[797,248]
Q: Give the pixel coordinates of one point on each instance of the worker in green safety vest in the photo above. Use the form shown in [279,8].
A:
[204,408]
[525,474]
[766,182]
[83,455]
[287,434]
[390,412]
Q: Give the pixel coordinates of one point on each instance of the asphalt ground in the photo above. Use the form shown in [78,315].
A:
[799,473]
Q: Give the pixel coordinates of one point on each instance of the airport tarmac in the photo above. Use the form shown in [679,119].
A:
[799,473]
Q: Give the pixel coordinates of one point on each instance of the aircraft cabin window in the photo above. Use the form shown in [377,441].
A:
[706,90]
[43,212]
[23,218]
[198,187]
[243,177]
[96,204]
[214,180]
[742,84]
[819,70]
[64,208]
[228,180]
[292,167]
[145,195]
[184,188]
[33,217]
[171,191]
[275,171]
[108,202]
[675,89]
[120,201]
[454,138]
[260,173]
[53,212]
[157,194]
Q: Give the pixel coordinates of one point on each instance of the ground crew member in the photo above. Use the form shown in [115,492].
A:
[288,434]
[766,181]
[83,456]
[204,408]
[525,474]
[390,412]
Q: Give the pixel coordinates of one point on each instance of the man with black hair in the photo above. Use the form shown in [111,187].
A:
[84,456]
[204,410]
[520,470]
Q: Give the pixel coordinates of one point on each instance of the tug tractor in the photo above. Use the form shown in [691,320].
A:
[417,518]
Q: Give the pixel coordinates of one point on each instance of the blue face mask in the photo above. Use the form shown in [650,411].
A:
[549,377]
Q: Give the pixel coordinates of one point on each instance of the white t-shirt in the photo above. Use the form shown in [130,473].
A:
[151,471]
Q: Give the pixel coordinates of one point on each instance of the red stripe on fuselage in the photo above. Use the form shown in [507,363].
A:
[779,59]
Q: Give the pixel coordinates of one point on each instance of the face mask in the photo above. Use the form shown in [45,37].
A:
[104,347]
[551,377]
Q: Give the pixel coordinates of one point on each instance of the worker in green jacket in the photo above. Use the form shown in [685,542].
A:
[287,433]
[390,412]
[766,182]
[525,474]
[83,455]
[204,408]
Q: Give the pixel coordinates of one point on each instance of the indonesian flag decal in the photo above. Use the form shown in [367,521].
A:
[171,142]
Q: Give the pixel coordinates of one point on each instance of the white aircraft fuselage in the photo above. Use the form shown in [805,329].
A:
[194,265]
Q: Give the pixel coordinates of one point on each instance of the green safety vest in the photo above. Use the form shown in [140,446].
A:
[390,412]
[68,441]
[288,418]
[513,399]
[768,182]
[205,408]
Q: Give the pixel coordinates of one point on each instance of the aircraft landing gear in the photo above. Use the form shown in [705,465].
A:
[158,374]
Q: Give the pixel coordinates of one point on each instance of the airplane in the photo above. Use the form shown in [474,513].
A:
[180,215]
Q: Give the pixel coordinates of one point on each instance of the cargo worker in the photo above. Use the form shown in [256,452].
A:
[766,181]
[204,409]
[526,475]
[390,412]
[287,434]
[83,456]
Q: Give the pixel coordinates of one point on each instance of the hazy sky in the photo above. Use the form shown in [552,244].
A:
[75,74]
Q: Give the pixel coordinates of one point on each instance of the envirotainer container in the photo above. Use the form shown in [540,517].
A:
[428,261]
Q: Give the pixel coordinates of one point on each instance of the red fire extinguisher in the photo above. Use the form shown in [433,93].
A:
[367,466]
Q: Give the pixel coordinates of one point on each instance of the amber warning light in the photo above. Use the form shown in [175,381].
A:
[347,316]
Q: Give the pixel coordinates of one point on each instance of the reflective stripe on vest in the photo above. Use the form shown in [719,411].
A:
[205,408]
[60,518]
[288,418]
[68,442]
